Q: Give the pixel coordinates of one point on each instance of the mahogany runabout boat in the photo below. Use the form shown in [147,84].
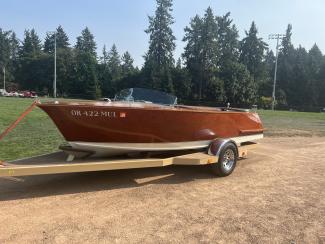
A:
[142,120]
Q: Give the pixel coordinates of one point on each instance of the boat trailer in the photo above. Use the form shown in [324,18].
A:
[77,161]
[221,155]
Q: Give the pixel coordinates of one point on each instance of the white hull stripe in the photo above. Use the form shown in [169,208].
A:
[111,147]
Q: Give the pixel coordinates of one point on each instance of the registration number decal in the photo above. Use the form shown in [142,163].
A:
[95,113]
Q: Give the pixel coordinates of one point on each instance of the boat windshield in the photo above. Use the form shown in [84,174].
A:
[145,95]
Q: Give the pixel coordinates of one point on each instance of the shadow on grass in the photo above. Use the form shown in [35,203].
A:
[48,185]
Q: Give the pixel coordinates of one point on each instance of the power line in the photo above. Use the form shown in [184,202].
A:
[277,37]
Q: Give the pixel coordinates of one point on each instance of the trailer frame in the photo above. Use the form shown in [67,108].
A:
[57,163]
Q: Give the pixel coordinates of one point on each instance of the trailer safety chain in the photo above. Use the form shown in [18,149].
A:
[20,118]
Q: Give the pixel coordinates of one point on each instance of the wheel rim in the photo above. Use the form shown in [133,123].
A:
[228,159]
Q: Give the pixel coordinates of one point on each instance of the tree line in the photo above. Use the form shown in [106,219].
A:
[216,65]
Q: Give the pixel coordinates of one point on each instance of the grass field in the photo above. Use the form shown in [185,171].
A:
[37,134]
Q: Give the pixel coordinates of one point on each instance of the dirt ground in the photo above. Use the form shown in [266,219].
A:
[277,195]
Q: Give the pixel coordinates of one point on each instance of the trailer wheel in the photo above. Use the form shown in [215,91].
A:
[227,160]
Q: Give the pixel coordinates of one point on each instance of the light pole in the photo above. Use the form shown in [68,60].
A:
[277,37]
[4,78]
[54,80]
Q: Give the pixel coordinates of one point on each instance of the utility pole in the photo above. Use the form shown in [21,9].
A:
[4,78]
[54,85]
[277,37]
[54,80]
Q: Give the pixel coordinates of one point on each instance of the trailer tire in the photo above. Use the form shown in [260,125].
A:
[227,160]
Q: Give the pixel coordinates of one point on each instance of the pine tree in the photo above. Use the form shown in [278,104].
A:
[85,81]
[287,46]
[86,42]
[131,75]
[193,53]
[300,90]
[321,84]
[63,59]
[230,68]
[14,47]
[12,65]
[228,43]
[104,75]
[286,62]
[114,66]
[243,87]
[33,66]
[266,86]
[202,56]
[62,40]
[182,81]
[252,50]
[114,63]
[4,48]
[127,64]
[104,57]
[32,45]
[315,58]
[159,59]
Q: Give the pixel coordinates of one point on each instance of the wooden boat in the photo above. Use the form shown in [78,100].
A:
[141,120]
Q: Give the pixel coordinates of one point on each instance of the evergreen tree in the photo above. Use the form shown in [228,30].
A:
[63,60]
[243,87]
[315,59]
[86,42]
[12,65]
[114,66]
[33,65]
[85,80]
[285,71]
[300,87]
[14,47]
[104,75]
[159,59]
[201,56]
[62,40]
[31,47]
[104,57]
[266,85]
[130,74]
[210,84]
[228,43]
[252,50]
[114,63]
[321,84]
[232,73]
[193,53]
[5,49]
[127,64]
[182,81]
[287,47]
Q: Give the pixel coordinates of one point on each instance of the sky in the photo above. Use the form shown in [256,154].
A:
[123,21]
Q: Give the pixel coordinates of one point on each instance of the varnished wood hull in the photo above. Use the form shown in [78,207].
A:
[134,123]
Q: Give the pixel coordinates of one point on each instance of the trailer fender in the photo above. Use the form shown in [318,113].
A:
[217,145]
